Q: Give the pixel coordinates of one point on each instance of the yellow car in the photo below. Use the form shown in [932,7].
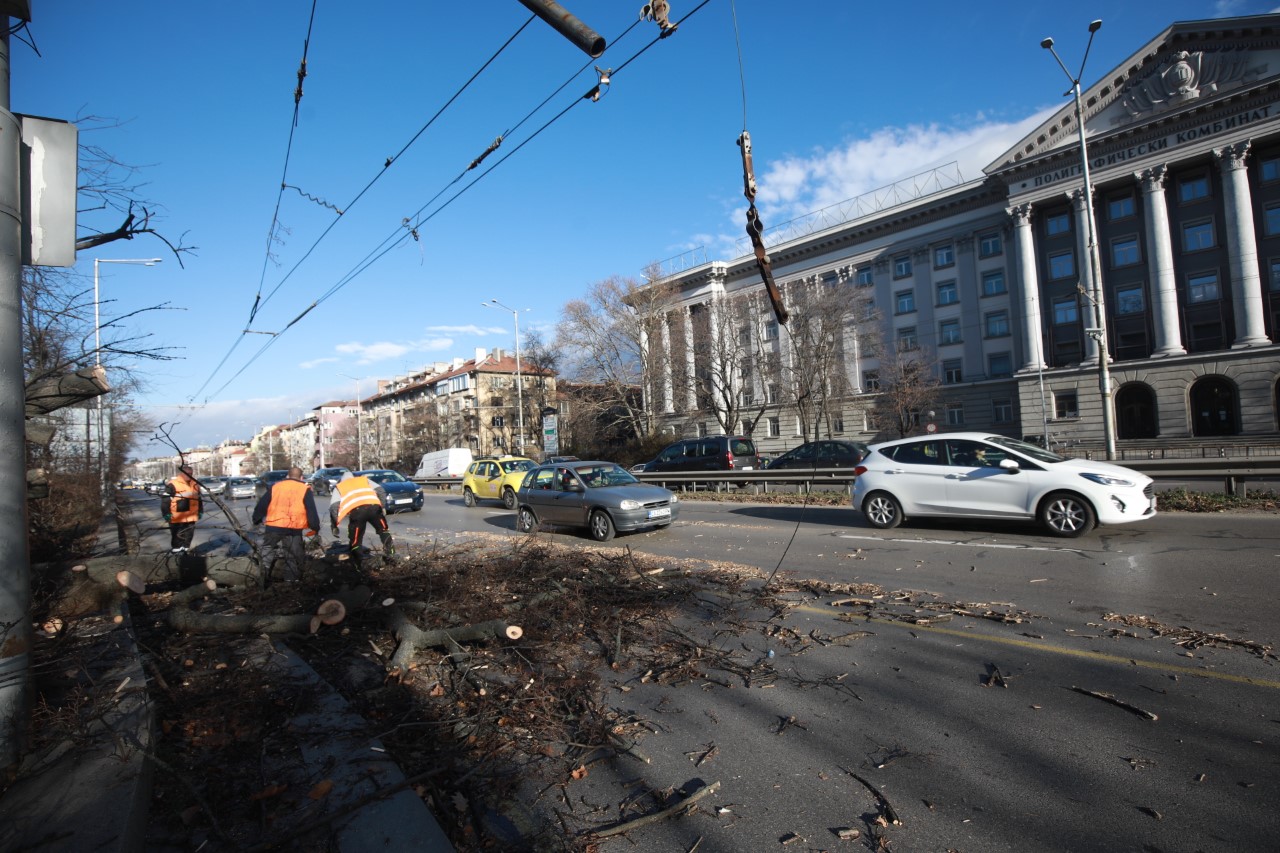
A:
[495,478]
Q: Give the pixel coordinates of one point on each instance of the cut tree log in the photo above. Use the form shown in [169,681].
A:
[51,393]
[182,618]
[413,639]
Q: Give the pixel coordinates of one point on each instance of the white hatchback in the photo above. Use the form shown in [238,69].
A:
[975,475]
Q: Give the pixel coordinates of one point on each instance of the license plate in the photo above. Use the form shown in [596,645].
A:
[661,512]
[746,468]
[404,500]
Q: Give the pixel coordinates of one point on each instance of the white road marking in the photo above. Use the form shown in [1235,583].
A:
[967,544]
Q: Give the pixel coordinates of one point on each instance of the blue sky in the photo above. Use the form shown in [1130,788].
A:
[841,97]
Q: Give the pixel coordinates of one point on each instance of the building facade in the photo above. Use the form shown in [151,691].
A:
[995,281]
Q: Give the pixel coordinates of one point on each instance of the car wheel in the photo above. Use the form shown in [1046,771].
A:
[1065,514]
[468,497]
[509,498]
[601,526]
[526,521]
[882,510]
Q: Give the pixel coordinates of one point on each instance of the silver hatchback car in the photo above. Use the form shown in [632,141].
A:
[603,497]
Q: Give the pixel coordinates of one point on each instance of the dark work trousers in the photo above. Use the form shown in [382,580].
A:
[285,545]
[358,518]
[181,533]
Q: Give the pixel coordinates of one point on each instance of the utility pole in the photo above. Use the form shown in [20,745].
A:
[15,577]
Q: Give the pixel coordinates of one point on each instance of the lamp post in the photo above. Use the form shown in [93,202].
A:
[97,354]
[493,303]
[1099,330]
[359,429]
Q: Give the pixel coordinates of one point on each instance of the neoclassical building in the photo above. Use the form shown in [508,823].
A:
[993,278]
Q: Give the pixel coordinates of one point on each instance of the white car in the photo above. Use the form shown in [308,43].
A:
[975,475]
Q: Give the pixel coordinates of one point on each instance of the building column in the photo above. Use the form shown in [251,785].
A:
[1242,248]
[1092,289]
[668,398]
[647,403]
[1029,282]
[691,363]
[1164,284]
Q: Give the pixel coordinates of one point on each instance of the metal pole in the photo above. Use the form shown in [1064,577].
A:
[15,578]
[519,376]
[1099,331]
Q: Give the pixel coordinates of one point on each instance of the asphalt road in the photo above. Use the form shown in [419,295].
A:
[1096,736]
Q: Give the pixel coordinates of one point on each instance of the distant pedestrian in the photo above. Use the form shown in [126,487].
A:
[360,501]
[182,508]
[288,511]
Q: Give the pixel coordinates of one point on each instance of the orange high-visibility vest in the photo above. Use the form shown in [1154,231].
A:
[357,491]
[286,508]
[184,487]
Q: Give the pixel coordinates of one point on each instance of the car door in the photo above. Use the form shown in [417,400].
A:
[977,485]
[490,478]
[917,475]
[570,498]
[541,494]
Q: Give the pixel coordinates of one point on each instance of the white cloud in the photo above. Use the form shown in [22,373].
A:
[466,330]
[316,362]
[369,353]
[209,424]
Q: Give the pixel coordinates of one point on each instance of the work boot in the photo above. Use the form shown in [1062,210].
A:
[388,546]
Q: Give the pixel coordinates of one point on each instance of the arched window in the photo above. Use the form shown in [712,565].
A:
[1214,407]
[1136,411]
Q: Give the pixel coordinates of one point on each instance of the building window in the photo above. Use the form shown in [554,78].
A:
[1194,188]
[997,324]
[1273,219]
[904,301]
[1275,275]
[1002,410]
[944,256]
[837,423]
[702,430]
[771,330]
[999,365]
[952,371]
[1060,224]
[746,398]
[1197,236]
[1062,265]
[772,394]
[866,277]
[1124,252]
[774,428]
[744,337]
[990,245]
[1270,170]
[947,293]
[1120,207]
[1202,287]
[871,381]
[993,283]
[949,332]
[1130,300]
[902,266]
[955,414]
[907,339]
[1065,404]
[1066,311]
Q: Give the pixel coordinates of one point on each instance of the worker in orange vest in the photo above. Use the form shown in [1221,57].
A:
[288,512]
[182,507]
[360,501]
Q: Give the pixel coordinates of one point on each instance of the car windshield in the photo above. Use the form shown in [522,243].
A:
[514,465]
[1027,449]
[331,472]
[239,481]
[601,476]
[385,477]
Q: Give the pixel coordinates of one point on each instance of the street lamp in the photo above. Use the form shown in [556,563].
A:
[97,354]
[493,303]
[359,431]
[1099,330]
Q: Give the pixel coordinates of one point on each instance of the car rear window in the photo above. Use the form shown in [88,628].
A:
[742,447]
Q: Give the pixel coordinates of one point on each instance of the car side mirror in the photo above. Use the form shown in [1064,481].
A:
[1010,465]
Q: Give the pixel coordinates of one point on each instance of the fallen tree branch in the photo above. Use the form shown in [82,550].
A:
[889,812]
[183,619]
[1119,703]
[413,639]
[670,811]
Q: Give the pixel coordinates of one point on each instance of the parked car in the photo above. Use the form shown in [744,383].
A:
[975,475]
[495,479]
[550,460]
[710,453]
[155,487]
[213,485]
[239,487]
[402,493]
[828,453]
[266,480]
[324,479]
[602,497]
[450,462]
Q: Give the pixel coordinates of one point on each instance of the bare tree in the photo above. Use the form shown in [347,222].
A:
[908,387]
[607,340]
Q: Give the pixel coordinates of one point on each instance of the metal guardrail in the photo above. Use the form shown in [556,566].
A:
[1232,470]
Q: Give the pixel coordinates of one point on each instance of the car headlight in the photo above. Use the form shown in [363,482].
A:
[629,504]
[675,498]
[1107,480]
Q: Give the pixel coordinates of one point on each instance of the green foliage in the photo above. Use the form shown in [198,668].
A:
[1182,500]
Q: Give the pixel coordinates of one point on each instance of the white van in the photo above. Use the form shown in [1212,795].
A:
[450,462]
